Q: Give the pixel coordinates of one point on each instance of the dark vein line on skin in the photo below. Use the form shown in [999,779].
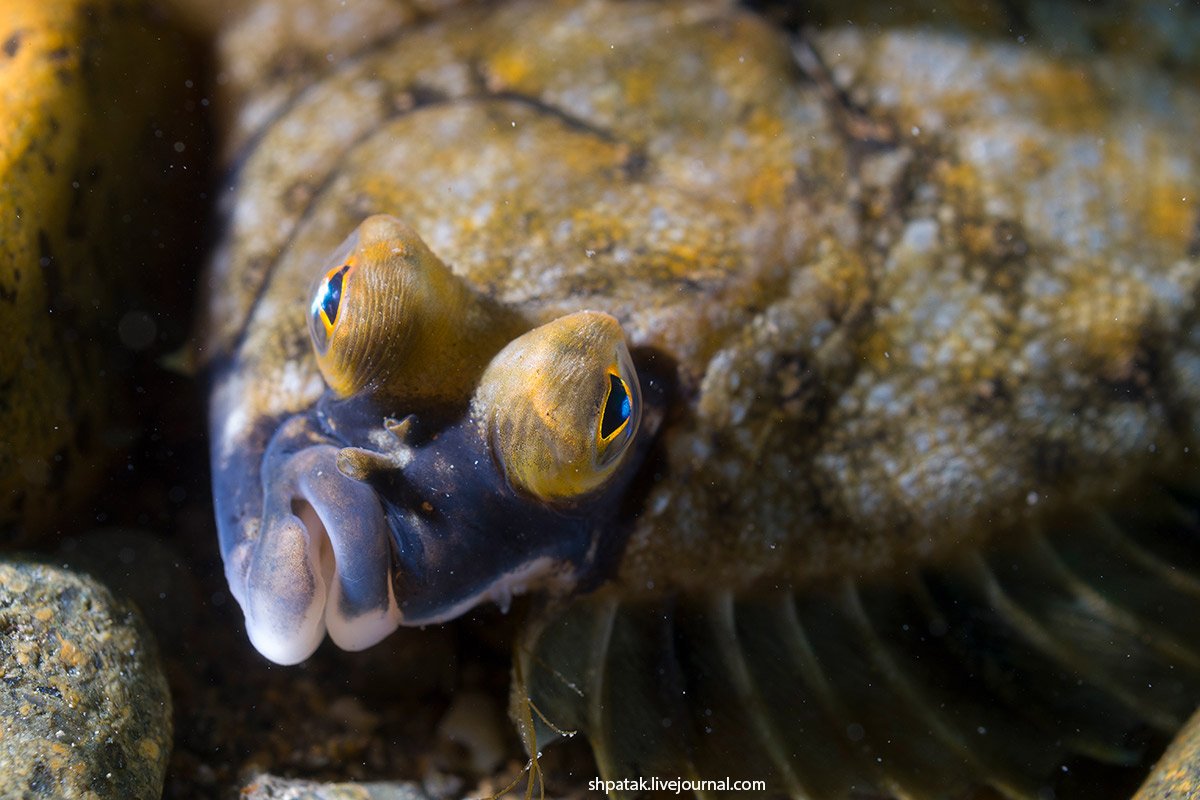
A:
[321,188]
[286,245]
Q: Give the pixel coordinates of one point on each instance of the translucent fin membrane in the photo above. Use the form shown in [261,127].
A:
[1057,666]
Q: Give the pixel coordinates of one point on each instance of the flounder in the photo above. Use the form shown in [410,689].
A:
[834,396]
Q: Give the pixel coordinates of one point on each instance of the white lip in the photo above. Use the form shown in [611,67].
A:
[285,622]
[322,563]
[364,630]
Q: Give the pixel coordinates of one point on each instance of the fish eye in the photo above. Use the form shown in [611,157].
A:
[386,317]
[327,298]
[561,406]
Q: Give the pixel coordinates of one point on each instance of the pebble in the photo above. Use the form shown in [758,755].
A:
[270,787]
[84,702]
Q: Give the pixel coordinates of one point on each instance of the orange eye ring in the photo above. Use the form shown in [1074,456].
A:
[327,299]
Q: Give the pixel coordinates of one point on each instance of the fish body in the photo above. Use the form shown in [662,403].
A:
[856,311]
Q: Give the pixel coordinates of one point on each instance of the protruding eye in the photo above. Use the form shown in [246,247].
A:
[327,299]
[560,406]
[386,317]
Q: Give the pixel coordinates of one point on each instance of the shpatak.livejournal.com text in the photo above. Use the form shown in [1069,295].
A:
[676,785]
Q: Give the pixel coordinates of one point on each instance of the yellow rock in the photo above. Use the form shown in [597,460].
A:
[80,84]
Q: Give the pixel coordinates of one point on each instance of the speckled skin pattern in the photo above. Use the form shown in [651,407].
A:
[906,315]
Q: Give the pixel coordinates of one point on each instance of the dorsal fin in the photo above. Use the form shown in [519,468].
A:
[1059,662]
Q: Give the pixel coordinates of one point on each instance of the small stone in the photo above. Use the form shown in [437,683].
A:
[474,724]
[85,702]
[270,787]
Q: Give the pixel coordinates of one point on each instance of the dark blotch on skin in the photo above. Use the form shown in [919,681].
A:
[12,44]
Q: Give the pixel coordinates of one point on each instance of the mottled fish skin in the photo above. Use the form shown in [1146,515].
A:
[884,373]
[918,297]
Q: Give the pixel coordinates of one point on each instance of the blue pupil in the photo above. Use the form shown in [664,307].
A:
[330,297]
[617,407]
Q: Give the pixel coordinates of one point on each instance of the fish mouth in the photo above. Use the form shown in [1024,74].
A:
[345,555]
[355,542]
[360,603]
[322,562]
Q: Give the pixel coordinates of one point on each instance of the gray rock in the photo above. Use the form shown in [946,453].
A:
[84,702]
